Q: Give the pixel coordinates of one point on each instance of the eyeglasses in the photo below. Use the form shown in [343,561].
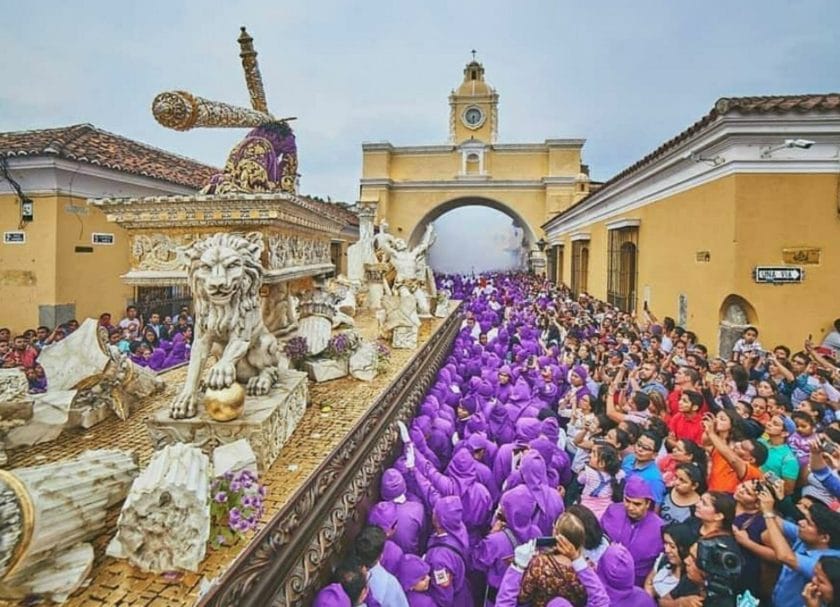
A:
[642,447]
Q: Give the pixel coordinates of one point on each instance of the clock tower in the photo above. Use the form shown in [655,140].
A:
[473,108]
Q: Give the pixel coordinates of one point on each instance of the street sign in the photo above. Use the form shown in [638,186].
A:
[778,274]
[102,238]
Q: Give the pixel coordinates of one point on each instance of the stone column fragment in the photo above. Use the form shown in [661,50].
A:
[48,513]
[165,520]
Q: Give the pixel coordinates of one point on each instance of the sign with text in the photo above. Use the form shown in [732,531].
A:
[14,237]
[778,274]
[802,255]
[102,238]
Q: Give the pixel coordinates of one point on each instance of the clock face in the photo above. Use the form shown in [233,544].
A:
[473,117]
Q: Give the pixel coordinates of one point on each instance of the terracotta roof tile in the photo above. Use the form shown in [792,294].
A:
[774,104]
[334,210]
[88,144]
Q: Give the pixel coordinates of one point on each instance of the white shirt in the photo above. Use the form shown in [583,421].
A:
[385,588]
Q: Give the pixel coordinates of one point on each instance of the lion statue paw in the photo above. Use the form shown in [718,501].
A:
[184,405]
[221,375]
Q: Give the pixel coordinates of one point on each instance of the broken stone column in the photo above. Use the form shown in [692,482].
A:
[364,362]
[375,278]
[48,514]
[165,520]
[15,405]
[317,310]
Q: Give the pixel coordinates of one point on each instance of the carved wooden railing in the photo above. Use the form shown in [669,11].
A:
[290,559]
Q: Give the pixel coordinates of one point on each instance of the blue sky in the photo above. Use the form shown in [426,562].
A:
[624,75]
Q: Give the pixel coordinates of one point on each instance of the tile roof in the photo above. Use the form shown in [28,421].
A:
[773,104]
[88,144]
[334,210]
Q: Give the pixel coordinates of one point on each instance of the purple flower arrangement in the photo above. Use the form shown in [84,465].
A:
[236,507]
[383,359]
[342,345]
[296,349]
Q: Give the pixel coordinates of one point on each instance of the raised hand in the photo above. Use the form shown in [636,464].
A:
[403,432]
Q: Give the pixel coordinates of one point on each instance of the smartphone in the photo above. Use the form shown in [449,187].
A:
[829,446]
[545,542]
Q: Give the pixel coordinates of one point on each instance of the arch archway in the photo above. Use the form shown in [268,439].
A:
[735,314]
[466,201]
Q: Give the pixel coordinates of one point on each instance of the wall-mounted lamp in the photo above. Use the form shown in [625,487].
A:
[27,209]
[541,244]
[714,160]
[802,144]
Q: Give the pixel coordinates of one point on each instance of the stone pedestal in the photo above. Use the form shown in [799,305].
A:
[326,369]
[267,423]
[404,337]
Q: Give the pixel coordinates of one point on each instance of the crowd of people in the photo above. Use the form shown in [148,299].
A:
[157,343]
[569,453]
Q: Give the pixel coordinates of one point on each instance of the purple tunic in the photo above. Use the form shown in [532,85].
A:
[332,596]
[616,572]
[459,480]
[412,570]
[642,538]
[495,552]
[447,554]
[549,504]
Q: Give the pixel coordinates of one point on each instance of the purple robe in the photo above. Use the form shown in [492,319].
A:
[460,480]
[332,596]
[412,570]
[410,534]
[615,568]
[548,500]
[642,538]
[447,555]
[495,552]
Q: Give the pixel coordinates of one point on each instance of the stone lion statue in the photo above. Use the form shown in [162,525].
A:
[225,276]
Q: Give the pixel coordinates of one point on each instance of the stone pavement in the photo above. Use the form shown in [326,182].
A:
[334,409]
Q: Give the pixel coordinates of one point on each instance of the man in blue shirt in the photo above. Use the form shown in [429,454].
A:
[799,547]
[642,463]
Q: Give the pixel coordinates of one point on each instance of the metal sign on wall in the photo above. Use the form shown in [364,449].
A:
[102,238]
[778,274]
[14,237]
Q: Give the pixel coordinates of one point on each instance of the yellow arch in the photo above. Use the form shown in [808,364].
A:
[468,201]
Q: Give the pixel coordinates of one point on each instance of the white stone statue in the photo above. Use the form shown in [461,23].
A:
[361,252]
[406,263]
[383,238]
[225,276]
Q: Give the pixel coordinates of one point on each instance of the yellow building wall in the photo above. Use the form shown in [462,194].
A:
[777,211]
[671,232]
[424,167]
[27,271]
[742,221]
[376,164]
[91,281]
[405,209]
[516,165]
[563,161]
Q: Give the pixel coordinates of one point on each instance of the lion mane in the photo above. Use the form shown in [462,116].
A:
[242,312]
